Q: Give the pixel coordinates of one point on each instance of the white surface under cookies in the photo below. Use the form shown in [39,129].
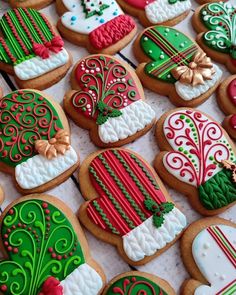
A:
[169,265]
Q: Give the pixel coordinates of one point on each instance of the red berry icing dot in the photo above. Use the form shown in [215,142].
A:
[3,288]
[44,205]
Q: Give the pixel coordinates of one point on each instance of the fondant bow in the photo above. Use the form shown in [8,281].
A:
[57,145]
[51,287]
[198,70]
[43,50]
[230,166]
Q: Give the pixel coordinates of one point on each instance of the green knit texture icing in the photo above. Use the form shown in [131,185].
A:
[40,242]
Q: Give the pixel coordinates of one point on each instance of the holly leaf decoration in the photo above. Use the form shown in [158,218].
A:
[106,112]
[158,220]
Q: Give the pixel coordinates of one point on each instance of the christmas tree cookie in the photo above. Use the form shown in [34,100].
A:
[128,206]
[99,25]
[136,282]
[31,50]
[195,151]
[45,250]
[208,250]
[215,23]
[36,4]
[108,99]
[227,102]
[173,65]
[153,12]
[35,141]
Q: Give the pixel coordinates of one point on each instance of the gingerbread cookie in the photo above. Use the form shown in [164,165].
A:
[173,65]
[35,141]
[108,100]
[45,250]
[194,150]
[99,25]
[31,49]
[208,250]
[152,12]
[136,282]
[215,23]
[227,101]
[36,4]
[128,206]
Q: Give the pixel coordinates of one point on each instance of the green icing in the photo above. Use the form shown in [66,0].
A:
[167,48]
[40,243]
[218,191]
[25,116]
[133,285]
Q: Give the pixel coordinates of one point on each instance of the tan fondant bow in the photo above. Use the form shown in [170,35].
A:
[198,70]
[54,146]
[230,166]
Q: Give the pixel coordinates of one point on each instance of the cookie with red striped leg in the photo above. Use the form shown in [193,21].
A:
[128,206]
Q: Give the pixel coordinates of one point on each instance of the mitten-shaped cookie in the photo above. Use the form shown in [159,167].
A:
[152,12]
[136,282]
[36,4]
[128,206]
[35,141]
[209,249]
[108,100]
[31,50]
[215,23]
[226,97]
[195,152]
[99,25]
[45,250]
[172,64]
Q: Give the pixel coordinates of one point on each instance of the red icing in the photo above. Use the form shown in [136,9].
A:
[111,32]
[232,121]
[43,50]
[51,287]
[139,3]
[232,91]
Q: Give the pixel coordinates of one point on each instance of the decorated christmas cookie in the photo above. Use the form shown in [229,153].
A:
[215,23]
[128,206]
[36,4]
[209,1]
[35,141]
[45,250]
[99,25]
[108,100]
[227,102]
[173,65]
[208,250]
[1,195]
[194,160]
[31,50]
[135,282]
[152,12]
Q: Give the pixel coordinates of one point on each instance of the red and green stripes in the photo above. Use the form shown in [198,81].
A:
[230,289]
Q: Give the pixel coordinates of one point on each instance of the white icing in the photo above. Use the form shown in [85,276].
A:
[213,263]
[82,281]
[38,170]
[36,66]
[146,239]
[160,11]
[75,19]
[134,118]
[188,92]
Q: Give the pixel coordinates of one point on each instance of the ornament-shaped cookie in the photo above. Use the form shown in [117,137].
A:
[136,282]
[128,206]
[215,23]
[36,4]
[31,50]
[154,12]
[173,65]
[35,141]
[99,25]
[45,250]
[208,249]
[108,99]
[226,97]
[195,150]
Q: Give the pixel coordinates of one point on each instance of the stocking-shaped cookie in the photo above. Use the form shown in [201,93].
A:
[198,150]
[173,65]
[227,102]
[157,11]
[215,23]
[128,205]
[35,141]
[209,251]
[99,25]
[31,50]
[36,4]
[109,102]
[45,251]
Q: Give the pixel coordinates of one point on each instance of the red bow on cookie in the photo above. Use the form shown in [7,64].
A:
[51,287]
[43,50]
